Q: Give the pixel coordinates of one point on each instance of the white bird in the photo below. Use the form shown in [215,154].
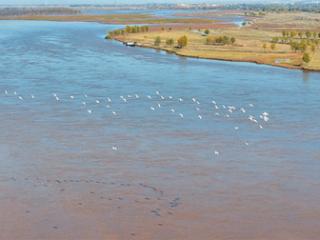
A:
[198,109]
[216,153]
[6,92]
[152,108]
[57,99]
[149,97]
[86,96]
[233,108]
[71,97]
[260,126]
[32,96]
[214,102]
[172,110]
[198,102]
[15,93]
[137,96]
[159,105]
[170,97]
[246,143]
[114,148]
[217,114]
[107,106]
[124,99]
[216,107]
[200,117]
[227,115]
[252,119]
[109,99]
[251,105]
[157,92]
[193,99]
[89,111]
[114,113]
[236,128]
[54,94]
[162,97]
[97,101]
[242,110]
[21,98]
[83,103]
[180,100]
[181,115]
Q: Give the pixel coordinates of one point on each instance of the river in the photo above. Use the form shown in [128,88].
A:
[103,141]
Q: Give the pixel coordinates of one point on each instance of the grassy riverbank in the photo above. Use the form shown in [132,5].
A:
[292,46]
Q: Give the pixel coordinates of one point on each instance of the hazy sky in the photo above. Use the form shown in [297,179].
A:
[116,1]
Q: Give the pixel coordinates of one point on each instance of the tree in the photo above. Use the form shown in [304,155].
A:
[302,46]
[207,31]
[314,34]
[264,46]
[157,41]
[293,34]
[294,46]
[233,40]
[308,34]
[170,41]
[306,58]
[300,34]
[273,46]
[284,33]
[182,41]
[275,40]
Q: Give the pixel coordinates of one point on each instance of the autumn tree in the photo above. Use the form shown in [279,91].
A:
[170,41]
[182,41]
[306,58]
[157,41]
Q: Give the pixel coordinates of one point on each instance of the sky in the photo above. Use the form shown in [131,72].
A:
[6,2]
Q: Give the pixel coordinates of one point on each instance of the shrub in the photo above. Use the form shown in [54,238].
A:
[157,41]
[306,58]
[220,40]
[170,41]
[182,41]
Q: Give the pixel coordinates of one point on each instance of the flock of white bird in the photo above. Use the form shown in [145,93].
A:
[158,100]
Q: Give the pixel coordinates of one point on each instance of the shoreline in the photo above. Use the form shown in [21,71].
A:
[219,59]
[111,21]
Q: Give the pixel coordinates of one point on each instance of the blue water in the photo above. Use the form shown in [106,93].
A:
[127,141]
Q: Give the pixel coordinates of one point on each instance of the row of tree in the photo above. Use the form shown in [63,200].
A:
[181,42]
[306,34]
[128,29]
[220,40]
[305,6]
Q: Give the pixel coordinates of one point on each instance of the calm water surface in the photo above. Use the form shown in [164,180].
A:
[101,141]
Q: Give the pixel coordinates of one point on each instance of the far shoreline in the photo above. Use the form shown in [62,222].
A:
[86,19]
